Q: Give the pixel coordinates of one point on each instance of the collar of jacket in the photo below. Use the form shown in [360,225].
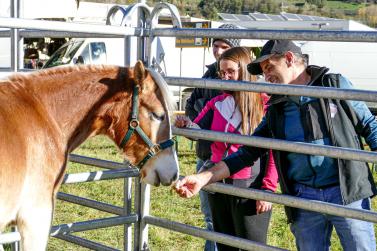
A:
[315,72]
[213,67]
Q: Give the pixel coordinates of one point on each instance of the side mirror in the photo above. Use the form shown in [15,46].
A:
[39,65]
[80,60]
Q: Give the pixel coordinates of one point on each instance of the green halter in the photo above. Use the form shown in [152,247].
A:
[134,126]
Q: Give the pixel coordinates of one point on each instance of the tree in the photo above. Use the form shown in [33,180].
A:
[230,6]
[369,15]
[208,9]
[318,3]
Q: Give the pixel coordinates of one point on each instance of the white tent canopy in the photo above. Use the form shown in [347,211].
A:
[42,8]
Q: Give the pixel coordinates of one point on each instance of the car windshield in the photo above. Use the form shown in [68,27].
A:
[64,54]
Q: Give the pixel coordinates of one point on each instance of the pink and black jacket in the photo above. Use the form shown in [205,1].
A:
[221,114]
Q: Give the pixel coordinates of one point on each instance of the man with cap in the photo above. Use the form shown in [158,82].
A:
[312,120]
[195,103]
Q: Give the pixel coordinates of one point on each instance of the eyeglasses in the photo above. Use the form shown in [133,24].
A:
[229,72]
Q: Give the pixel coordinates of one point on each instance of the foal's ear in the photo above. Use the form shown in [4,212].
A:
[139,73]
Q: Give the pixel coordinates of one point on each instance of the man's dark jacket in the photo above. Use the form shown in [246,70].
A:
[198,99]
[344,130]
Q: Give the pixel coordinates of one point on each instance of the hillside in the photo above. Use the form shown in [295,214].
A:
[362,11]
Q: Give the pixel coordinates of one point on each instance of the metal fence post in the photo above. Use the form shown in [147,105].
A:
[15,48]
[142,201]
[144,211]
[127,206]
[15,246]
[142,21]
[137,201]
[14,37]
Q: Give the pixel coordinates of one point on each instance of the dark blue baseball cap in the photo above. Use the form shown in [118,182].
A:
[271,48]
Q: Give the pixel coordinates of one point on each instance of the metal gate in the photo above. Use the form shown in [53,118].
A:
[146,32]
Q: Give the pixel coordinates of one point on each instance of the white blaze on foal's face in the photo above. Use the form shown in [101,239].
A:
[163,166]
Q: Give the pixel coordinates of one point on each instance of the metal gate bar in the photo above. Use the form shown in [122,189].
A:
[290,146]
[84,242]
[93,224]
[209,235]
[90,203]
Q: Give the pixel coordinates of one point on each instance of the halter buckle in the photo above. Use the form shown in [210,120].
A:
[134,123]
[155,149]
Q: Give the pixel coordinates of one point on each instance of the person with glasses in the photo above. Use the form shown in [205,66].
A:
[237,112]
[195,103]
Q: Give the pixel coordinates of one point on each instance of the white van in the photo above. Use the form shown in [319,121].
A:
[89,51]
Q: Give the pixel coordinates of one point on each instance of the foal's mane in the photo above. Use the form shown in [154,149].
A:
[59,72]
[164,88]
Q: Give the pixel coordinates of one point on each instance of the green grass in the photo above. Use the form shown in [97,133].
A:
[164,204]
[342,5]
[335,4]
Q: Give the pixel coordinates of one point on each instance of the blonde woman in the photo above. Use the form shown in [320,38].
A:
[240,113]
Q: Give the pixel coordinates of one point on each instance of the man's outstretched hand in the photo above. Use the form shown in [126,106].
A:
[189,185]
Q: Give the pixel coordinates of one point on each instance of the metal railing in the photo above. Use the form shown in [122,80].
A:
[304,35]
[33,28]
[292,90]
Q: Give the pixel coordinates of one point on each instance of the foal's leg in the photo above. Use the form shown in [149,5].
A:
[34,226]
[1,246]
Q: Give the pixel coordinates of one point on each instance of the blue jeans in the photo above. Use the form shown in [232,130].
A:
[204,206]
[312,230]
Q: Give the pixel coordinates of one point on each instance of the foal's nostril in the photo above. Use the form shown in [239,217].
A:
[175,177]
[167,182]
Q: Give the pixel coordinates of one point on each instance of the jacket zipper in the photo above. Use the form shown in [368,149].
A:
[304,112]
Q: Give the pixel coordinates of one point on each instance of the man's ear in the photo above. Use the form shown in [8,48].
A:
[289,58]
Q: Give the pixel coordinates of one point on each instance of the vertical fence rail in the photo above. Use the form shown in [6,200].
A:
[137,206]
[16,245]
[144,211]
[14,36]
[127,208]
[15,48]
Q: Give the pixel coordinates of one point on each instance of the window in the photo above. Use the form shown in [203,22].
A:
[85,56]
[98,53]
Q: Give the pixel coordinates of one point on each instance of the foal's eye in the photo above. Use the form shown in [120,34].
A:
[155,116]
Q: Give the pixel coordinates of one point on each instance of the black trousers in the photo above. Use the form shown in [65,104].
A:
[237,216]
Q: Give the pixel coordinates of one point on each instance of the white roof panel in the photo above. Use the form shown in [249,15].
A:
[259,16]
[244,17]
[290,16]
[276,17]
[306,17]
[228,17]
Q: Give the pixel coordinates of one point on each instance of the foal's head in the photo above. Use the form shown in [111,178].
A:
[152,104]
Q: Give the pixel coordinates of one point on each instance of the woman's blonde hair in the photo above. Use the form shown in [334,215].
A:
[250,103]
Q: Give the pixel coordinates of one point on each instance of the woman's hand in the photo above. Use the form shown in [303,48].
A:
[263,206]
